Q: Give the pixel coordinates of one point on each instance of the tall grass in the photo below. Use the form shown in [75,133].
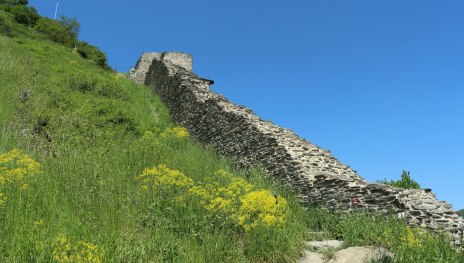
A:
[407,244]
[86,126]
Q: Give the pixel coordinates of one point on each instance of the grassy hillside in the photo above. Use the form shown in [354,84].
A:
[93,170]
[461,212]
[76,142]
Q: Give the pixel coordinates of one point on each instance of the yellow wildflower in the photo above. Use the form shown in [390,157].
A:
[15,167]
[65,251]
[10,156]
[261,208]
[237,187]
[161,175]
[175,132]
[200,192]
[411,237]
[222,173]
[3,198]
[219,204]
[234,198]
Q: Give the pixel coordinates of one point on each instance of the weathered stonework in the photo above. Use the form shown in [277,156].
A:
[311,171]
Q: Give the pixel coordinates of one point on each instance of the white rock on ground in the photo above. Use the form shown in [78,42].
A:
[311,257]
[324,244]
[357,255]
[348,255]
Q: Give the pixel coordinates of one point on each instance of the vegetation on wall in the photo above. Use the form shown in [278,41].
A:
[405,182]
[461,212]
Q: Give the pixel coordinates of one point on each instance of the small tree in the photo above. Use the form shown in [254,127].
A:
[92,53]
[14,2]
[405,182]
[26,15]
[55,31]
[71,25]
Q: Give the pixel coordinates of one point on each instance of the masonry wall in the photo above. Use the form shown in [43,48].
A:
[312,172]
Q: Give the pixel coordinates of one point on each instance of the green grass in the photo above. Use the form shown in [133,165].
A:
[407,244]
[87,127]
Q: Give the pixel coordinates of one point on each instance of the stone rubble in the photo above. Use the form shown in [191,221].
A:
[324,244]
[358,255]
[311,171]
[315,253]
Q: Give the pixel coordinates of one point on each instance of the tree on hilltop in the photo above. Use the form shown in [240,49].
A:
[14,2]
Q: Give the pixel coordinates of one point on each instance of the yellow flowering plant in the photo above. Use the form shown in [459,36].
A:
[175,132]
[155,136]
[261,208]
[66,251]
[233,200]
[15,168]
[3,198]
[163,179]
[411,237]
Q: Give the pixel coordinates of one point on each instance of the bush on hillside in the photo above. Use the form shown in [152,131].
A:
[82,83]
[56,32]
[23,14]
[7,24]
[26,15]
[405,182]
[92,53]
[71,25]
[64,31]
[14,2]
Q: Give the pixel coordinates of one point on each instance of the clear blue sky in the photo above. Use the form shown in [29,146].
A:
[379,83]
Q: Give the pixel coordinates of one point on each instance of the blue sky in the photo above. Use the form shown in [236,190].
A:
[378,83]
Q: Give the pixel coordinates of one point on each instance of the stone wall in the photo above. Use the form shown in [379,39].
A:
[312,172]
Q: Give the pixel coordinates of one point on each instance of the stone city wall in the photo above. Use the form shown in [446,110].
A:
[312,172]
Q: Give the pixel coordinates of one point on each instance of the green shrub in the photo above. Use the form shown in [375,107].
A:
[23,14]
[56,32]
[71,25]
[82,83]
[7,24]
[92,53]
[405,182]
[26,15]
[14,2]
[461,212]
[111,115]
[111,89]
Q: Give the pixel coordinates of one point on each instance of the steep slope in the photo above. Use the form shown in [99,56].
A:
[83,155]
